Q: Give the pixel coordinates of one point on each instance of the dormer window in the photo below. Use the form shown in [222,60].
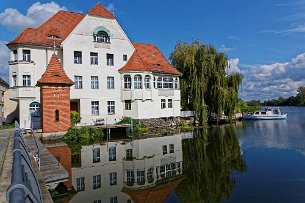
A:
[102,36]
[53,37]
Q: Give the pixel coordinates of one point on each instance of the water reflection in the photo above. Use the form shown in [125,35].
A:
[208,160]
[194,166]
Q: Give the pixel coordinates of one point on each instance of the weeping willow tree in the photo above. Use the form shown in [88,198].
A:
[205,84]
[208,160]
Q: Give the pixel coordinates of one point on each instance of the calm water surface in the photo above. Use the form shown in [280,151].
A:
[253,161]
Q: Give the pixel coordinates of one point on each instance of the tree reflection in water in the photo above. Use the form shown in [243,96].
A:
[208,159]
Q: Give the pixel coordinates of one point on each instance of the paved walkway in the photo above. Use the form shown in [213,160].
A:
[6,146]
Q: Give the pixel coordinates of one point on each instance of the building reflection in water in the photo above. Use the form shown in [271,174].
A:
[196,166]
[144,170]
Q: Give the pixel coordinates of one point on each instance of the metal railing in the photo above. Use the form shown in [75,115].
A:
[24,184]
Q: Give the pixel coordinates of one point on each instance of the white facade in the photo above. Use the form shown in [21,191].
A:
[29,62]
[144,155]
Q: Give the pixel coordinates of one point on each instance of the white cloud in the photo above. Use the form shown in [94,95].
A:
[233,66]
[15,21]
[270,81]
[225,49]
[110,7]
[4,58]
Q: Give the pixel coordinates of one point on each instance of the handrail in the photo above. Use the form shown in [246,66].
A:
[24,184]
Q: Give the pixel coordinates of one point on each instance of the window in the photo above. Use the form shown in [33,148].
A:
[94,108]
[170,103]
[77,57]
[14,80]
[114,199]
[26,80]
[127,104]
[165,82]
[130,176]
[94,82]
[150,174]
[129,154]
[168,170]
[171,148]
[171,83]
[112,153]
[56,115]
[176,83]
[97,201]
[110,82]
[159,82]
[35,109]
[163,104]
[124,57]
[26,55]
[96,181]
[102,36]
[93,58]
[78,82]
[15,55]
[110,60]
[96,155]
[113,178]
[147,82]
[154,82]
[141,177]
[127,81]
[138,82]
[164,148]
[111,107]
[80,184]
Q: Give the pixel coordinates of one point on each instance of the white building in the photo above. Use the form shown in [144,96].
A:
[112,76]
[122,172]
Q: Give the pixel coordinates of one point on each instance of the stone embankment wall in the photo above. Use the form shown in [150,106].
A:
[160,122]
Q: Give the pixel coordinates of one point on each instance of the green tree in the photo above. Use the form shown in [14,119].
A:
[75,118]
[205,84]
[301,95]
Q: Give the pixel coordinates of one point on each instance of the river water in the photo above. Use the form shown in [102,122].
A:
[251,161]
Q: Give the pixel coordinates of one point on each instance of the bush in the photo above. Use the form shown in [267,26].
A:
[75,118]
[137,127]
[77,137]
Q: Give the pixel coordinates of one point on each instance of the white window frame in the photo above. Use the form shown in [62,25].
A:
[141,176]
[93,58]
[163,103]
[113,178]
[26,55]
[112,153]
[127,82]
[110,82]
[137,82]
[78,57]
[111,107]
[114,199]
[80,184]
[150,174]
[96,155]
[164,149]
[125,57]
[110,59]
[26,80]
[97,181]
[78,82]
[170,103]
[94,82]
[171,148]
[95,109]
[159,83]
[127,104]
[147,82]
[130,176]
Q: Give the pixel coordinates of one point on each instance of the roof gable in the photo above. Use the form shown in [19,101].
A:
[60,25]
[55,74]
[101,11]
[148,57]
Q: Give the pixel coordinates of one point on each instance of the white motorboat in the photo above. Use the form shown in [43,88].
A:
[267,114]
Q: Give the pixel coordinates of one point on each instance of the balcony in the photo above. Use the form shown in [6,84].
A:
[22,92]
[136,94]
[169,93]
[19,62]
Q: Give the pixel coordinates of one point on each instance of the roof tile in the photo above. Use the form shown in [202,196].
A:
[101,11]
[148,57]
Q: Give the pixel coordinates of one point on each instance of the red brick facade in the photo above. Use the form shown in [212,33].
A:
[55,98]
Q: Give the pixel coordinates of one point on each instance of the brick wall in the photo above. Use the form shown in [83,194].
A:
[55,98]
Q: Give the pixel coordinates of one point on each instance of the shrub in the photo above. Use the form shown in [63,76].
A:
[75,118]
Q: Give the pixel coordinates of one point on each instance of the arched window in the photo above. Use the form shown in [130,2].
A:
[159,82]
[35,109]
[127,82]
[56,115]
[147,82]
[102,36]
[138,82]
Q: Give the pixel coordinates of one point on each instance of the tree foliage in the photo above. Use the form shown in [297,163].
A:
[205,84]
[298,100]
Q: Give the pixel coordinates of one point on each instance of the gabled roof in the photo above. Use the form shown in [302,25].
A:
[60,25]
[148,57]
[101,11]
[55,74]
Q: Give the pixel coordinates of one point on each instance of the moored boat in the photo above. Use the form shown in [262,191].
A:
[267,114]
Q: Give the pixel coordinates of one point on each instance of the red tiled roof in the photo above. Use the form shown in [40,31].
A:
[101,11]
[148,57]
[61,25]
[54,74]
[156,194]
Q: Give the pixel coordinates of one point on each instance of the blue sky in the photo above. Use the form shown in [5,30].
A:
[265,39]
